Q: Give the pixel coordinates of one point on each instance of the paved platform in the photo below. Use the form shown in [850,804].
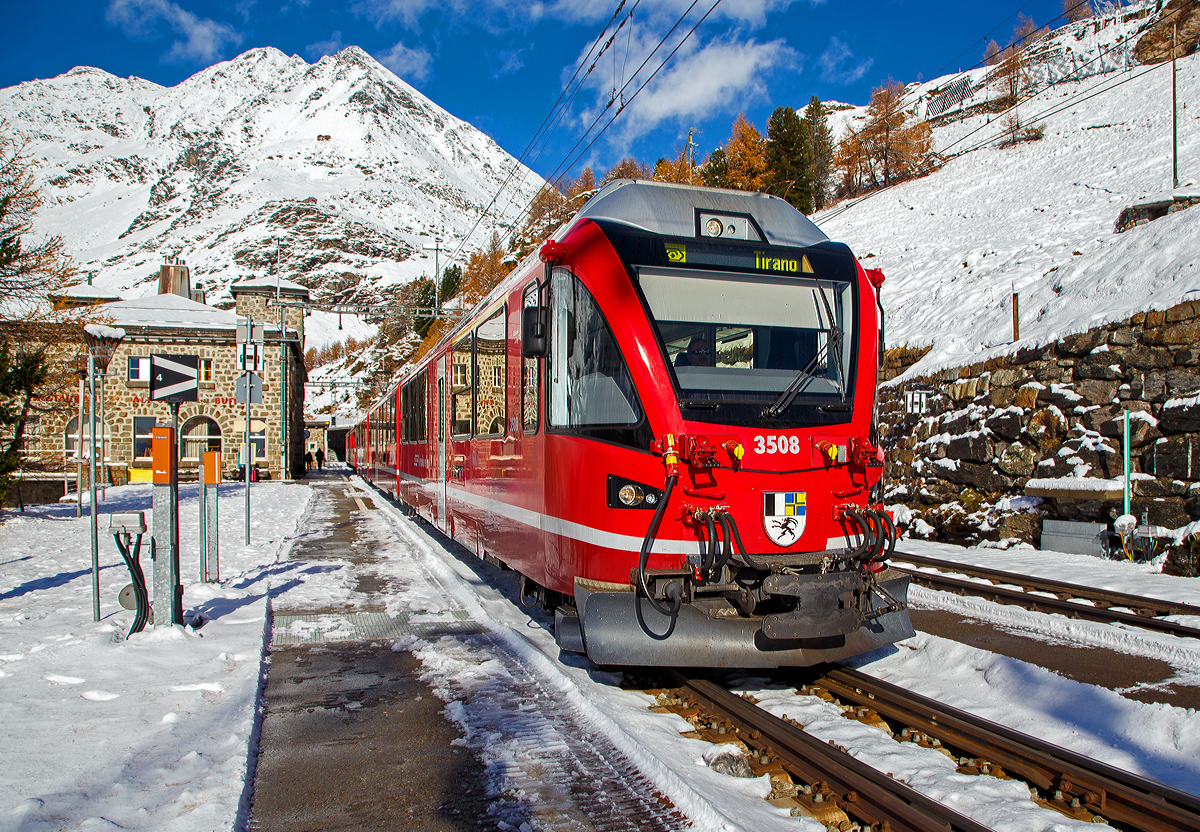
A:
[351,738]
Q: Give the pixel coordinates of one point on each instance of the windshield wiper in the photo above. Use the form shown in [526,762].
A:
[833,339]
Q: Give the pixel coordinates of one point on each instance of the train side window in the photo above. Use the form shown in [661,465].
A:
[491,361]
[462,399]
[530,378]
[589,381]
[412,410]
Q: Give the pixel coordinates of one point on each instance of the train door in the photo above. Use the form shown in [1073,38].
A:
[441,467]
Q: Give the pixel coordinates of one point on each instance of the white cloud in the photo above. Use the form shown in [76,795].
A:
[838,66]
[410,64]
[722,76]
[319,49]
[201,40]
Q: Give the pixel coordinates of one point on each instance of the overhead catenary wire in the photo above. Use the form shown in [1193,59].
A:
[551,118]
[572,158]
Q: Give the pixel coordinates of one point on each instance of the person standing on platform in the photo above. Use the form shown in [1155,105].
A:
[320,459]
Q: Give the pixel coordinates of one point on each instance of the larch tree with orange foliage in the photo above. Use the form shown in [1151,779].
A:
[746,156]
[889,148]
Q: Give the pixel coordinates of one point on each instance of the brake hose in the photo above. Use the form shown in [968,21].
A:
[891,533]
[741,547]
[645,556]
[868,543]
[710,557]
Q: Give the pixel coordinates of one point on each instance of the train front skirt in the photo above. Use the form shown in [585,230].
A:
[607,628]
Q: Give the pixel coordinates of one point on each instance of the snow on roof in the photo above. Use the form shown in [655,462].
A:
[260,284]
[85,290]
[169,311]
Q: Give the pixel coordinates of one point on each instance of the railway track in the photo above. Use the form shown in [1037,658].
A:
[836,785]
[1070,783]
[1060,597]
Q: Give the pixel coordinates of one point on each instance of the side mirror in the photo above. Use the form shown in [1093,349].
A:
[535,322]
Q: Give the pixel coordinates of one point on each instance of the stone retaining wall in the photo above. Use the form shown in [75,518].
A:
[963,443]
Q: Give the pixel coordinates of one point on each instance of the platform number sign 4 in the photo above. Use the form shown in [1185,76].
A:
[174,378]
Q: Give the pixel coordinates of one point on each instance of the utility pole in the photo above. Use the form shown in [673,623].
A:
[690,156]
[1174,111]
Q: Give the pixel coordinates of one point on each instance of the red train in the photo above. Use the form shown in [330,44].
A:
[664,422]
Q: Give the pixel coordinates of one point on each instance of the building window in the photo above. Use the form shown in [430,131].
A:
[200,434]
[71,437]
[462,398]
[139,368]
[204,373]
[530,378]
[490,361]
[143,434]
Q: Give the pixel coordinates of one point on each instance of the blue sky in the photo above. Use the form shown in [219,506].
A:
[500,64]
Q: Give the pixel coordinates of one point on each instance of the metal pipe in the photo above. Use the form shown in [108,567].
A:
[92,488]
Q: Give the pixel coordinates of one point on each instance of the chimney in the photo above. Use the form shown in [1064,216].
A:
[175,279]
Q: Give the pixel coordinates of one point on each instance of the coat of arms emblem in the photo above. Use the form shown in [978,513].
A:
[784,515]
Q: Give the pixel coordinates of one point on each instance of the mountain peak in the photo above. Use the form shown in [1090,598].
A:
[328,174]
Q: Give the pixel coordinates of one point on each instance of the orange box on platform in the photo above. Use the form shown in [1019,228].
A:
[212,467]
[162,451]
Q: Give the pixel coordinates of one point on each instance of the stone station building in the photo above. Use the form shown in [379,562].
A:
[173,323]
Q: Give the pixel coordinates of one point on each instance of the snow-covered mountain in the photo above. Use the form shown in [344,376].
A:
[1038,218]
[333,174]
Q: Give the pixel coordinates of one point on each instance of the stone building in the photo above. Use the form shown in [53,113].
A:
[172,323]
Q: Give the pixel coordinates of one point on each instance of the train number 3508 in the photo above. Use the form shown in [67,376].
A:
[777,444]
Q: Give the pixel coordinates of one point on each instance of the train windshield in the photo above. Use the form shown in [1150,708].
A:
[748,336]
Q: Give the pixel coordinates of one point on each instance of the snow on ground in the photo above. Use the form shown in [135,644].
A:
[154,732]
[1037,218]
[151,732]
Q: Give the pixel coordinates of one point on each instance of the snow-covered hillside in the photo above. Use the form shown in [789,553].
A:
[334,174]
[1038,217]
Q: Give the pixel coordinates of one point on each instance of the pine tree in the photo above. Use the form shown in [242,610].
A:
[820,140]
[746,155]
[789,159]
[451,280]
[715,171]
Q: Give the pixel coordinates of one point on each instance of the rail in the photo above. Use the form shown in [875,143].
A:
[1073,784]
[1145,611]
[839,780]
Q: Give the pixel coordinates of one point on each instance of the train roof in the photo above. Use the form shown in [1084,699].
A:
[670,209]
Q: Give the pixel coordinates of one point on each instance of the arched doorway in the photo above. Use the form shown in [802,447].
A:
[199,434]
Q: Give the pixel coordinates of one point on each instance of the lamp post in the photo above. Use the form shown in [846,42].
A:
[101,341]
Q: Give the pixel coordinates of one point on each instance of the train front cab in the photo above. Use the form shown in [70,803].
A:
[754,341]
[689,374]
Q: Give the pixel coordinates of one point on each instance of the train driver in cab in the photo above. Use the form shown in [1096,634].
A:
[698,354]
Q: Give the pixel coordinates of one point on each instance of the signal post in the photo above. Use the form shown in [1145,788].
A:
[164,546]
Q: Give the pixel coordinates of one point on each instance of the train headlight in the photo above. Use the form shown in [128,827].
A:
[714,227]
[624,494]
[630,495]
